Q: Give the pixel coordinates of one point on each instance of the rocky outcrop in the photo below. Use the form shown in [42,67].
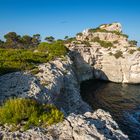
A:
[105,54]
[89,126]
[112,27]
[109,53]
[57,83]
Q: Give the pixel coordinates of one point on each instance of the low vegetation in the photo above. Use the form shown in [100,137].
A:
[28,113]
[132,51]
[69,40]
[27,59]
[86,43]
[105,44]
[133,43]
[106,31]
[138,49]
[118,54]
[79,34]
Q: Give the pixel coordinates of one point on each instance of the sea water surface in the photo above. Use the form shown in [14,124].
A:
[122,101]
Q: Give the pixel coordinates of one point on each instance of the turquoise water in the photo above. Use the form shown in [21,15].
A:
[121,100]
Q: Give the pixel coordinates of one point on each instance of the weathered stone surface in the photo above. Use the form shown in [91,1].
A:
[89,126]
[102,61]
[57,83]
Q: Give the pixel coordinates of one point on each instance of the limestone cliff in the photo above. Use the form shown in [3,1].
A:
[109,53]
[57,83]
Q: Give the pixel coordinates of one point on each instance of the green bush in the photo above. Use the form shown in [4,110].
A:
[118,54]
[133,43]
[116,42]
[86,43]
[79,34]
[106,31]
[110,53]
[105,44]
[69,40]
[26,59]
[131,51]
[96,39]
[29,112]
[56,49]
[138,49]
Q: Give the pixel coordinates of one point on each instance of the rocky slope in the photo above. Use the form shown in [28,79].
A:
[109,52]
[102,53]
[57,83]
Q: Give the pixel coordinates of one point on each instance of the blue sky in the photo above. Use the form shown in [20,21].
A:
[67,17]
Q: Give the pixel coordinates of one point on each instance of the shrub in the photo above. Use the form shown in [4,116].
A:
[86,43]
[79,34]
[110,53]
[106,31]
[29,111]
[133,43]
[118,54]
[96,39]
[69,40]
[104,44]
[138,49]
[35,71]
[26,59]
[56,49]
[116,42]
[131,51]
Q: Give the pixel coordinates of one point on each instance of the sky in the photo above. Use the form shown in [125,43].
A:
[60,18]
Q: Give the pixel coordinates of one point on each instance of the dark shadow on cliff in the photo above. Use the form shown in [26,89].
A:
[71,103]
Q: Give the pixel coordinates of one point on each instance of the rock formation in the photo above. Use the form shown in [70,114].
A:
[58,84]
[108,52]
[102,53]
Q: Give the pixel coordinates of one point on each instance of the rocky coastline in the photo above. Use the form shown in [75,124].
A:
[58,83]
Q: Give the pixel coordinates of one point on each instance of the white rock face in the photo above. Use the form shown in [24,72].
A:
[101,61]
[58,83]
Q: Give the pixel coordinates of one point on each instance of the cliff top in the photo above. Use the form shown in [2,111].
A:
[112,27]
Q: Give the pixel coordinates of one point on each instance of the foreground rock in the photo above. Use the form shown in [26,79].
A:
[89,126]
[58,83]
[108,52]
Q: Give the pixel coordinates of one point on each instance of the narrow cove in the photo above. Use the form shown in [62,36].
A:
[122,101]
